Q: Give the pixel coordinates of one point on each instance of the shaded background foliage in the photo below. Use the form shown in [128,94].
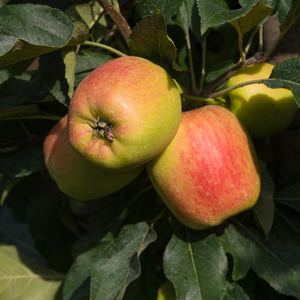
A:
[123,246]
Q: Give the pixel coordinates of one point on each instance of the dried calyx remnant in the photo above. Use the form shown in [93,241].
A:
[102,129]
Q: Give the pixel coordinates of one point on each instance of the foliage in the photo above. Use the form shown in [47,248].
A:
[123,246]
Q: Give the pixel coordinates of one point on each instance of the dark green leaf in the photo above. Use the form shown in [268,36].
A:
[145,287]
[288,191]
[283,9]
[25,112]
[196,264]
[276,260]
[23,278]
[14,90]
[286,74]
[196,24]
[52,70]
[19,196]
[51,237]
[17,234]
[23,161]
[31,30]
[293,14]
[214,12]
[87,61]
[287,223]
[264,208]
[234,292]
[77,283]
[149,40]
[184,15]
[168,7]
[240,248]
[119,264]
[61,4]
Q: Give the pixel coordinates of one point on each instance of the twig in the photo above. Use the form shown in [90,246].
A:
[117,18]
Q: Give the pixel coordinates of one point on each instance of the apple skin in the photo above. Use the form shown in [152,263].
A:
[166,291]
[139,99]
[73,175]
[209,172]
[263,111]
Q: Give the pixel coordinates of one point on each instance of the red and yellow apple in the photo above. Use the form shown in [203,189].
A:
[73,175]
[209,172]
[124,113]
[263,111]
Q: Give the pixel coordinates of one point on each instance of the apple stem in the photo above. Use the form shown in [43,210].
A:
[103,129]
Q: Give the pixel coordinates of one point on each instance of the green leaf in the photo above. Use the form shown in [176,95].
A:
[23,279]
[286,74]
[145,287]
[119,264]
[184,15]
[293,14]
[168,7]
[30,30]
[215,12]
[149,40]
[61,4]
[25,112]
[52,238]
[276,260]
[264,208]
[18,196]
[287,223]
[23,161]
[77,283]
[240,248]
[288,191]
[69,59]
[196,264]
[283,9]
[234,292]
[13,91]
[17,234]
[53,70]
[86,13]
[87,61]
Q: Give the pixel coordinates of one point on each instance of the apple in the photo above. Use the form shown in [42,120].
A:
[124,113]
[263,111]
[166,291]
[73,175]
[209,172]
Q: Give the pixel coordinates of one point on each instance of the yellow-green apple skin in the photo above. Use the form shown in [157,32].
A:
[166,291]
[263,111]
[209,172]
[141,102]
[73,175]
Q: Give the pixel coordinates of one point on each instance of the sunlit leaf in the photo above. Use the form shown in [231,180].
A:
[23,279]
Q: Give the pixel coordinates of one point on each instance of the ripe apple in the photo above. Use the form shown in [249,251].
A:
[75,176]
[209,172]
[124,113]
[263,111]
[166,291]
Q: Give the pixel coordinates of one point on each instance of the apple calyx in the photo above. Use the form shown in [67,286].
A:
[102,129]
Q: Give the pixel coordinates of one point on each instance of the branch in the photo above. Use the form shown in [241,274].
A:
[117,18]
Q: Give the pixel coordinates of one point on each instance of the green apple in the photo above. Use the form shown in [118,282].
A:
[124,113]
[263,111]
[166,291]
[73,175]
[209,172]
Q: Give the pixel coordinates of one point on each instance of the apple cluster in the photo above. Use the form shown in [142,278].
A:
[126,115]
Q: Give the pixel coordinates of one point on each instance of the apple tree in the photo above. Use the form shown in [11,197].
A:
[127,244]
